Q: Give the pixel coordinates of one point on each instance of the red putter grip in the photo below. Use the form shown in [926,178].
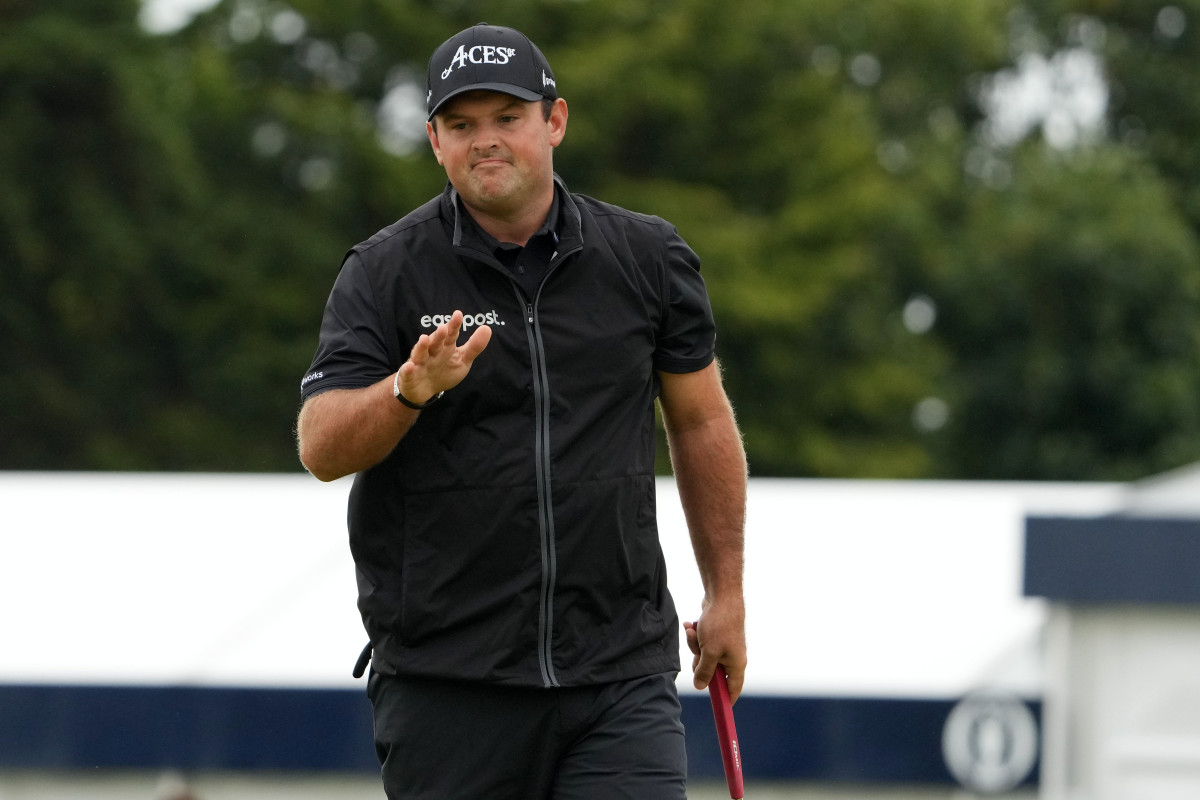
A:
[731,753]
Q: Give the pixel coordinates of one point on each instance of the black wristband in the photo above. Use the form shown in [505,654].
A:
[418,406]
[404,401]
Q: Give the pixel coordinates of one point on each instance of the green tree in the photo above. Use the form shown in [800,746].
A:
[1151,54]
[1071,309]
[1073,324]
[805,150]
[899,294]
[174,213]
[99,176]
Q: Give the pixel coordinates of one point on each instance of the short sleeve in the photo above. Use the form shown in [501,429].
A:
[687,335]
[353,349]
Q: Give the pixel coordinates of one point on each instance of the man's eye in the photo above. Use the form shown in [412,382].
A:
[507,118]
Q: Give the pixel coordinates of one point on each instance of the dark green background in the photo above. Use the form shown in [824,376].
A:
[174,208]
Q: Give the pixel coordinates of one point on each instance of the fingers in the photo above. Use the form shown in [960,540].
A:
[707,667]
[703,670]
[693,637]
[703,664]
[437,363]
[475,345]
[444,336]
[432,344]
[712,646]
[444,341]
[736,680]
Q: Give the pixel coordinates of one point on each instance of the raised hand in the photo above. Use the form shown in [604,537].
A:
[437,362]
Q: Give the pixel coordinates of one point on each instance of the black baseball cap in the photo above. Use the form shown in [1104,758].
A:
[491,58]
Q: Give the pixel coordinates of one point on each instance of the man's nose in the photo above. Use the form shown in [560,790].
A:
[485,138]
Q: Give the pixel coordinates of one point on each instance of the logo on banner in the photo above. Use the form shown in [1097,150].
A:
[990,742]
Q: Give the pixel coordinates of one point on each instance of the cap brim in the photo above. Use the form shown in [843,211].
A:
[519,92]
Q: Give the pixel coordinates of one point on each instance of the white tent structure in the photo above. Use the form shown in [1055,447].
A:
[866,600]
[1171,494]
[853,587]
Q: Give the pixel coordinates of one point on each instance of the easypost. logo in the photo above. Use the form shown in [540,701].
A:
[469,320]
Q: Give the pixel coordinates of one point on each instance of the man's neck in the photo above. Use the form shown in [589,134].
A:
[517,228]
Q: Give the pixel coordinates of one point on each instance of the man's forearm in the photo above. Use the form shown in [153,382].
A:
[348,430]
[710,472]
[343,431]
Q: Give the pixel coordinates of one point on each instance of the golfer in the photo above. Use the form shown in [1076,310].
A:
[489,366]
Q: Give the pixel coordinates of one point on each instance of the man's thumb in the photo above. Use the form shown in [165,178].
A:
[475,345]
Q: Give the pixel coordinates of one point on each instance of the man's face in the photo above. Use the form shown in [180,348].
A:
[498,150]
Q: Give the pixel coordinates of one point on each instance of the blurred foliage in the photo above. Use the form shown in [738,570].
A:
[900,292]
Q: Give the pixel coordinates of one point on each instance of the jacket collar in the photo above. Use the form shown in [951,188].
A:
[570,226]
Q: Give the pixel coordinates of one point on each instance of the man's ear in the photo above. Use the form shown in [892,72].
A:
[558,122]
[431,132]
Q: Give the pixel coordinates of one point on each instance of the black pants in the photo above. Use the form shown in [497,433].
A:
[447,740]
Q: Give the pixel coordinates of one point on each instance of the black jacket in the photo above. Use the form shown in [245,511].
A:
[511,535]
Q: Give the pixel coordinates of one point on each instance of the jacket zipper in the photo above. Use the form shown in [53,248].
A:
[541,414]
